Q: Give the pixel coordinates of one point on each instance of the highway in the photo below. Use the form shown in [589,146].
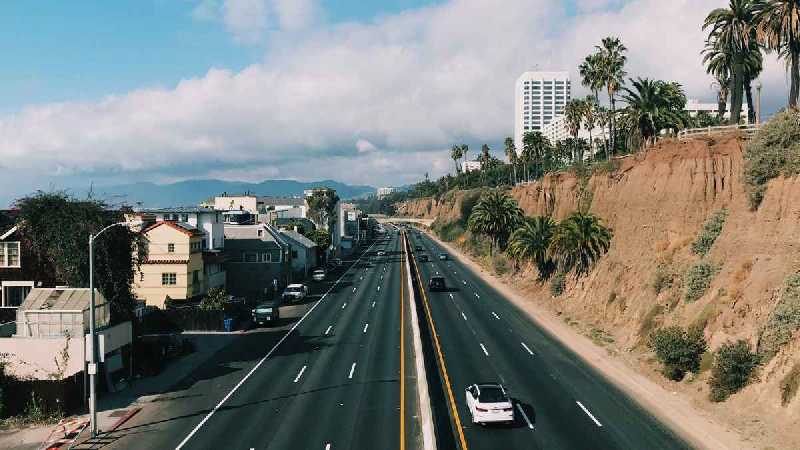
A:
[330,380]
[561,403]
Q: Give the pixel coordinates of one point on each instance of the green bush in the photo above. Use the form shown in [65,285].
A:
[711,231]
[789,384]
[449,231]
[214,300]
[734,364]
[783,321]
[680,351]
[558,284]
[698,279]
[774,151]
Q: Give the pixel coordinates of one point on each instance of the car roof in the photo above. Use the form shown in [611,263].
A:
[437,278]
[270,303]
[320,270]
[294,285]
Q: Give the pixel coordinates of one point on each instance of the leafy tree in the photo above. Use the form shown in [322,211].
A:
[323,240]
[214,300]
[578,242]
[679,350]
[530,242]
[496,215]
[732,31]
[778,28]
[322,205]
[612,61]
[56,228]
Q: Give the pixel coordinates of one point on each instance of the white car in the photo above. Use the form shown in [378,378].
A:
[381,253]
[295,292]
[318,275]
[489,403]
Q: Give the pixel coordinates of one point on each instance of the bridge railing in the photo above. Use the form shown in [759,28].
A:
[690,133]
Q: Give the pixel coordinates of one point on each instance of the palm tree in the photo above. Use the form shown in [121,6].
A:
[496,215]
[464,151]
[732,30]
[530,242]
[779,30]
[484,158]
[652,105]
[574,113]
[578,242]
[591,74]
[590,118]
[612,73]
[534,147]
[455,155]
[511,153]
[603,118]
[719,63]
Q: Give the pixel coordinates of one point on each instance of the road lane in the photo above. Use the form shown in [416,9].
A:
[545,376]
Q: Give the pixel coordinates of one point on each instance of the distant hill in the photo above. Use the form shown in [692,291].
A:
[192,192]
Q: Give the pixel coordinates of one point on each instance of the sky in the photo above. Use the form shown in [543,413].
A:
[104,93]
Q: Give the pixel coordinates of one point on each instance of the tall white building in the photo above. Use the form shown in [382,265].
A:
[539,97]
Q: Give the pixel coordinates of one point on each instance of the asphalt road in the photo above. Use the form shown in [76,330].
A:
[566,403]
[333,382]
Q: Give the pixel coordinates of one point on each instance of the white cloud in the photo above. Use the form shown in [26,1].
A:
[249,21]
[294,15]
[370,103]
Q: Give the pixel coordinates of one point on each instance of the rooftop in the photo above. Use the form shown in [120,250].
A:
[180,226]
[65,299]
[295,236]
[178,209]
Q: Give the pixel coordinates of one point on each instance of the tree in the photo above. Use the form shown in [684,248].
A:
[591,74]
[590,119]
[612,61]
[603,118]
[719,63]
[455,155]
[578,242]
[778,28]
[653,105]
[56,228]
[530,242]
[322,205]
[679,350]
[485,159]
[534,146]
[323,240]
[732,31]
[214,300]
[496,215]
[513,158]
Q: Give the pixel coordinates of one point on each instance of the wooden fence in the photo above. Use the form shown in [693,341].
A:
[690,133]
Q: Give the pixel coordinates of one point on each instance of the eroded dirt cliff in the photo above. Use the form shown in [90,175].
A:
[656,203]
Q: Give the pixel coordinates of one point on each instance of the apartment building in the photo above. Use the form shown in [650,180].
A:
[539,97]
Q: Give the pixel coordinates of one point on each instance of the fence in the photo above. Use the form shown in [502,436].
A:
[690,133]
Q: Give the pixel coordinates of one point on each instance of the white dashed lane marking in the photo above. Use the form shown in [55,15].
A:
[597,422]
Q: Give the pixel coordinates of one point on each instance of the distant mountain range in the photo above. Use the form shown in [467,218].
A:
[192,192]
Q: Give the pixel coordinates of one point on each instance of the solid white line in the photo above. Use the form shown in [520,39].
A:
[344,305]
[589,414]
[519,408]
[484,350]
[373,304]
[495,316]
[379,288]
[352,369]
[526,348]
[300,374]
[365,328]
[462,315]
[260,362]
[328,330]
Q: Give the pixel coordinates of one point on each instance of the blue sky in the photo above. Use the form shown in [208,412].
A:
[365,92]
[56,51]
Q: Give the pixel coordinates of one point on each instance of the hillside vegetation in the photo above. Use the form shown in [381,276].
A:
[706,238]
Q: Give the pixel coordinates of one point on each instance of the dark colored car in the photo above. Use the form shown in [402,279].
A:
[443,256]
[437,284]
[267,312]
[418,248]
[424,258]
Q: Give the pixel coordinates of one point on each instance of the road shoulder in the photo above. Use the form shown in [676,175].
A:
[693,425]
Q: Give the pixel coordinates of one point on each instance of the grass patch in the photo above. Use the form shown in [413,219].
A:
[708,314]
[789,384]
[783,321]
[774,151]
[600,337]
[698,279]
[649,320]
[734,365]
[706,362]
[710,232]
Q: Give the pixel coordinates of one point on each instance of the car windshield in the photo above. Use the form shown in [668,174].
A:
[293,289]
[492,394]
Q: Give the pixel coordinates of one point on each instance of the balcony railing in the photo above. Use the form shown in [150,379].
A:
[690,133]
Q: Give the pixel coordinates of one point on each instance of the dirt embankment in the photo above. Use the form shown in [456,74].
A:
[656,204]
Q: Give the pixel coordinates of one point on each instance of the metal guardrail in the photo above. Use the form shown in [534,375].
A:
[690,133]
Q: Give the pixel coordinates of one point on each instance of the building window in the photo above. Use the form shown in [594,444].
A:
[169,279]
[250,257]
[13,293]
[171,248]
[9,254]
[266,257]
[184,217]
[196,276]
[294,253]
[260,233]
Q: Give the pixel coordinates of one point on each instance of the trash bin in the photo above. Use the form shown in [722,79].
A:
[228,324]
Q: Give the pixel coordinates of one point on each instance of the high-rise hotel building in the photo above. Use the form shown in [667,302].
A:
[540,97]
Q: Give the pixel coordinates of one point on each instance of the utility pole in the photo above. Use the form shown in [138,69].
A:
[758,102]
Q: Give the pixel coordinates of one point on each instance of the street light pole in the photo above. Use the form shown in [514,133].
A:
[758,102]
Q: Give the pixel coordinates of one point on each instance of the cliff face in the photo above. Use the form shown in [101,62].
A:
[656,204]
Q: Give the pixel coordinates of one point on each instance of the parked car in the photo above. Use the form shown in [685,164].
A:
[267,312]
[295,292]
[318,275]
[437,284]
[418,248]
[489,403]
[381,253]
[443,256]
[424,258]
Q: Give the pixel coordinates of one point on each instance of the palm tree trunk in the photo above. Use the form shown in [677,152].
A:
[736,93]
[795,77]
[748,91]
[612,123]
[722,101]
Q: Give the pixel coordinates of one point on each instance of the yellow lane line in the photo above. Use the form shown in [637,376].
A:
[435,335]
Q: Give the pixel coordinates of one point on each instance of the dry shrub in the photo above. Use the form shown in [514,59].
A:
[789,384]
[743,272]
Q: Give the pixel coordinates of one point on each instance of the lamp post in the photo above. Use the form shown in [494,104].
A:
[93,332]
[758,102]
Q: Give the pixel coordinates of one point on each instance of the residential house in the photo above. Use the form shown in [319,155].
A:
[256,261]
[208,220]
[266,208]
[175,266]
[20,270]
[303,254]
[302,226]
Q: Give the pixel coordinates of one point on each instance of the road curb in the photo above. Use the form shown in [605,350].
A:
[124,419]
[426,414]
